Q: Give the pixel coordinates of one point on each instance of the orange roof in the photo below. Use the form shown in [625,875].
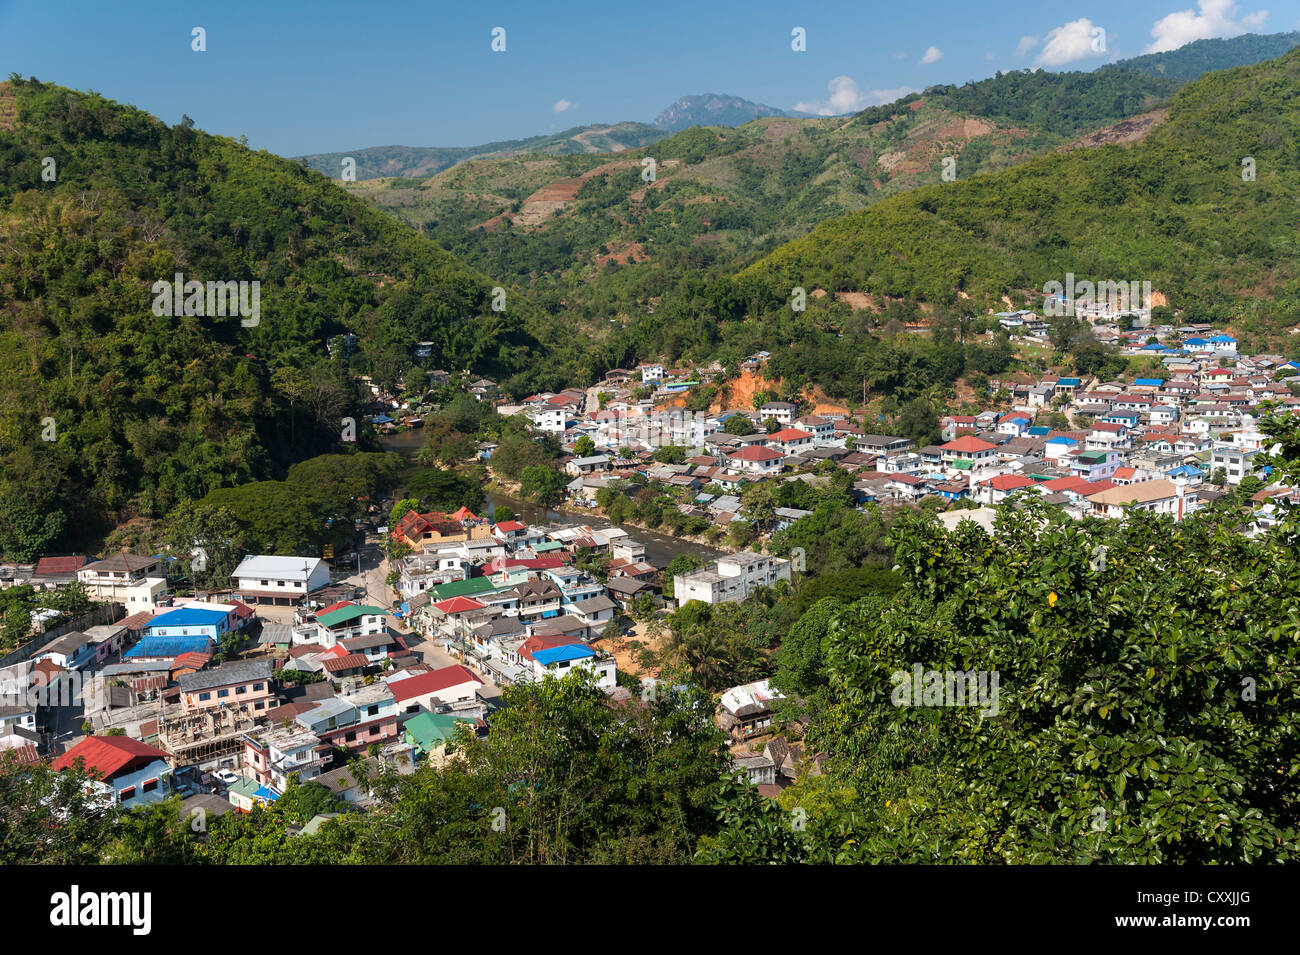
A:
[967,445]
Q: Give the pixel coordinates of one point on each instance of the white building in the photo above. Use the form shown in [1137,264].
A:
[135,582]
[731,579]
[278,580]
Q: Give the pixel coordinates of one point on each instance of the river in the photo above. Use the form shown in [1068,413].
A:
[659,548]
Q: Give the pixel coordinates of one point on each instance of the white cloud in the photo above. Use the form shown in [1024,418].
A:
[564,104]
[1067,43]
[990,55]
[932,55]
[1026,44]
[900,56]
[1215,20]
[847,97]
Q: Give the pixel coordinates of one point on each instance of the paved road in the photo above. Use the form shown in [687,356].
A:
[373,573]
[429,652]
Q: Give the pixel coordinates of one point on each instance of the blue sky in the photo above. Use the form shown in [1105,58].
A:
[324,76]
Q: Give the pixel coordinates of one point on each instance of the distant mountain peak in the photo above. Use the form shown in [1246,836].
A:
[715,109]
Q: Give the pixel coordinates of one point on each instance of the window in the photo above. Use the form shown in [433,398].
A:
[351,737]
[204,696]
[265,583]
[221,694]
[149,785]
[127,793]
[240,690]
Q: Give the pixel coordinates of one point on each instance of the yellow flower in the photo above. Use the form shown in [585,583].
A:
[1051,599]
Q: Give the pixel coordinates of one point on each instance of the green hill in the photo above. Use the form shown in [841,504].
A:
[1203,56]
[108,410]
[1173,209]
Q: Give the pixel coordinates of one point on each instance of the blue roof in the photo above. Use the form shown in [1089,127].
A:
[1068,382]
[1039,431]
[169,646]
[1061,439]
[1149,382]
[1223,338]
[573,651]
[1153,346]
[1194,341]
[188,617]
[1185,470]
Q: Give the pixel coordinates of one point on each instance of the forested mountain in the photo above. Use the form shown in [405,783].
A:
[373,162]
[1201,56]
[108,410]
[712,109]
[1203,208]
[591,239]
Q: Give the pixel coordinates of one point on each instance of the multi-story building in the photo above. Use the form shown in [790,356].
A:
[137,583]
[731,579]
[246,682]
[280,581]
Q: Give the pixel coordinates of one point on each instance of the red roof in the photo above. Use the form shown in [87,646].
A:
[332,607]
[192,659]
[350,661]
[529,563]
[967,445]
[60,565]
[137,621]
[1125,472]
[1009,482]
[510,526]
[458,605]
[756,453]
[1096,487]
[106,756]
[430,682]
[790,434]
[462,514]
[26,755]
[1065,484]
[545,641]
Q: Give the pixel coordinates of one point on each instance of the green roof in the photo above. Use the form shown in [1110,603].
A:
[461,588]
[344,614]
[544,546]
[245,787]
[961,465]
[428,730]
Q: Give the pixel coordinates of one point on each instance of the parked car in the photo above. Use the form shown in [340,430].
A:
[229,777]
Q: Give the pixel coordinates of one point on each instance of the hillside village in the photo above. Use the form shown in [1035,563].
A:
[1168,443]
[298,672]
